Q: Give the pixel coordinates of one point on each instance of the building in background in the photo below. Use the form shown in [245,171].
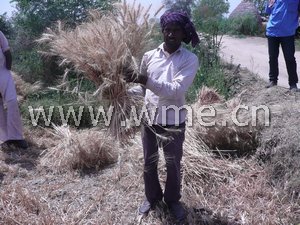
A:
[246,7]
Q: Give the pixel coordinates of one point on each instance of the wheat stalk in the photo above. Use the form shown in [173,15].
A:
[101,49]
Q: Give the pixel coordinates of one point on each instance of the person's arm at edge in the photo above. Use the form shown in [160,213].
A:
[8,59]
[6,50]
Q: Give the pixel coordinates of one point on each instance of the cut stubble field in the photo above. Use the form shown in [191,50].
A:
[229,175]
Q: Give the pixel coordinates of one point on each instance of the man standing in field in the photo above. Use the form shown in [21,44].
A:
[10,120]
[166,74]
[281,30]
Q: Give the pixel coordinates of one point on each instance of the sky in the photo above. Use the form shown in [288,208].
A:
[5,6]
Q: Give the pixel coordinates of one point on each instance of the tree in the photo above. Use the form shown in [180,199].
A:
[208,13]
[208,16]
[36,15]
[5,25]
[211,8]
[179,5]
[260,5]
[32,18]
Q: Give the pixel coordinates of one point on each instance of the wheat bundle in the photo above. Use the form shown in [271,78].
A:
[102,49]
[80,150]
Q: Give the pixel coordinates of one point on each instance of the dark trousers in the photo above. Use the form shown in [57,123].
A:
[171,139]
[288,49]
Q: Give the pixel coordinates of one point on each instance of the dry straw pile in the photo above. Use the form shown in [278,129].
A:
[23,89]
[230,134]
[208,96]
[20,206]
[102,49]
[201,167]
[80,150]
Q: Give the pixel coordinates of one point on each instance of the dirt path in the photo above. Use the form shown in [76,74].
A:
[252,53]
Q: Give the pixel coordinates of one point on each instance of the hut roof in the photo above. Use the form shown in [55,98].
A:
[245,7]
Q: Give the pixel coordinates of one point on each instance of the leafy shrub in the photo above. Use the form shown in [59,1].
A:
[30,21]
[29,64]
[211,73]
[33,66]
[5,25]
[242,25]
[210,77]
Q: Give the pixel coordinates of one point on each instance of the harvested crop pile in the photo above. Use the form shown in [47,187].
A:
[226,127]
[80,150]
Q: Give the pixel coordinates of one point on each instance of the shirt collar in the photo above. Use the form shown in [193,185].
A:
[161,48]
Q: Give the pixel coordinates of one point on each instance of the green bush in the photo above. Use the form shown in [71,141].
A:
[211,77]
[242,25]
[211,73]
[33,66]
[5,25]
[30,20]
[29,65]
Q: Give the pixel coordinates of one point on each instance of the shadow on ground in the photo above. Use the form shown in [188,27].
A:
[25,158]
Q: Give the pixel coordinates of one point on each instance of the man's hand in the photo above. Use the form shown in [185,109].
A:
[271,3]
[132,76]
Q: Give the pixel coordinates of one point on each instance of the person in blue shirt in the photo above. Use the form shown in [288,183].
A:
[281,30]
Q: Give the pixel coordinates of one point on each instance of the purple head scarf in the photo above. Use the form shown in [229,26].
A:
[185,23]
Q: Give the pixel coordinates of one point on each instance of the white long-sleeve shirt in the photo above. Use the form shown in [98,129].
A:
[169,77]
